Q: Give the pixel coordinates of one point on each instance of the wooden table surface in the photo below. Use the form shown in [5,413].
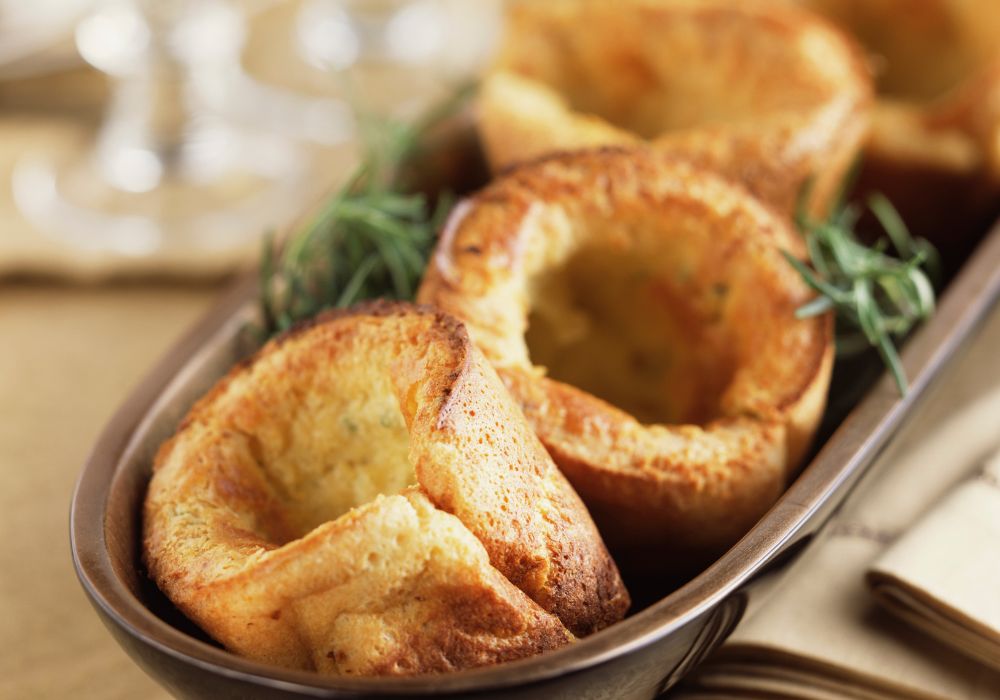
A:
[68,356]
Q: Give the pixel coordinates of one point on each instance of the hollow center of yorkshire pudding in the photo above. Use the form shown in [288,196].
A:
[635,327]
[921,49]
[334,441]
[923,65]
[644,98]
[653,70]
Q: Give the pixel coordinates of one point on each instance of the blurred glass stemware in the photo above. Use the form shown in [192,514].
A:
[164,171]
[314,61]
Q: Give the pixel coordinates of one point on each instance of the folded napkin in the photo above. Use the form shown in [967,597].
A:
[943,575]
[817,633]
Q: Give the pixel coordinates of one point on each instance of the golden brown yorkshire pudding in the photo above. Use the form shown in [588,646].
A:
[766,94]
[934,147]
[364,497]
[642,313]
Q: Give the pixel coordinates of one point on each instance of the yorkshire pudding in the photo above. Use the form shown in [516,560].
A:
[934,147]
[768,95]
[642,313]
[364,497]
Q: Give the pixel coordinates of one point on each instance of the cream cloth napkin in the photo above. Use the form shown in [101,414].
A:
[816,631]
[943,575]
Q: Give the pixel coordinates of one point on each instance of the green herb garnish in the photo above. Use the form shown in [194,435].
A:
[371,240]
[877,297]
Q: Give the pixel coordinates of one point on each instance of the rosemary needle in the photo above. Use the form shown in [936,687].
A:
[371,239]
[877,297]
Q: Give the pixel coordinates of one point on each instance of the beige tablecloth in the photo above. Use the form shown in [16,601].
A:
[68,356]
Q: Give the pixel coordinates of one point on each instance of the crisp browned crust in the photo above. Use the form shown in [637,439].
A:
[765,94]
[708,260]
[264,524]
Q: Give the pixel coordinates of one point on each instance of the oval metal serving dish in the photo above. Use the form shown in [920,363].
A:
[639,657]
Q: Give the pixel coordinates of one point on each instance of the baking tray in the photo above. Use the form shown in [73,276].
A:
[639,657]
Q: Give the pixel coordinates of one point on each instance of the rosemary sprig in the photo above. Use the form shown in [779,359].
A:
[372,238]
[877,297]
